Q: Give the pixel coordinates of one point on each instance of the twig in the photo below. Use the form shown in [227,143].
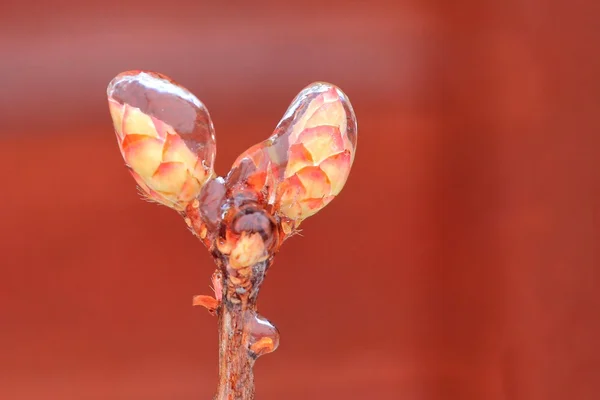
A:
[236,377]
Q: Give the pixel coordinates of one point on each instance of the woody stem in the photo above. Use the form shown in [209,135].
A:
[236,313]
[236,378]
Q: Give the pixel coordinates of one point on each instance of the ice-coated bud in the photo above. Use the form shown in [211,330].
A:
[165,135]
[309,156]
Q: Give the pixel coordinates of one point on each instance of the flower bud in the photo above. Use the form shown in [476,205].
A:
[165,135]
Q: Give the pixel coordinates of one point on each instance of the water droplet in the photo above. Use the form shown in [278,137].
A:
[263,336]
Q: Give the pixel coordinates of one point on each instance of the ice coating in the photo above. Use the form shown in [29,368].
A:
[306,162]
[165,135]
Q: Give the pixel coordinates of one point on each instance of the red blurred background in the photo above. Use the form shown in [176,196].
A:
[460,261]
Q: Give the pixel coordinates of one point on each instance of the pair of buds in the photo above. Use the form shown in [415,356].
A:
[166,137]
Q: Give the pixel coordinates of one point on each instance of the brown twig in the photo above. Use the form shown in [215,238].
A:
[237,352]
[237,331]
[243,245]
[236,377]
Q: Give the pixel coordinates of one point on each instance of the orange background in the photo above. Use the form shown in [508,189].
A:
[460,261]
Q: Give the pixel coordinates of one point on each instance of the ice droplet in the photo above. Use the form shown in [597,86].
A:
[262,335]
